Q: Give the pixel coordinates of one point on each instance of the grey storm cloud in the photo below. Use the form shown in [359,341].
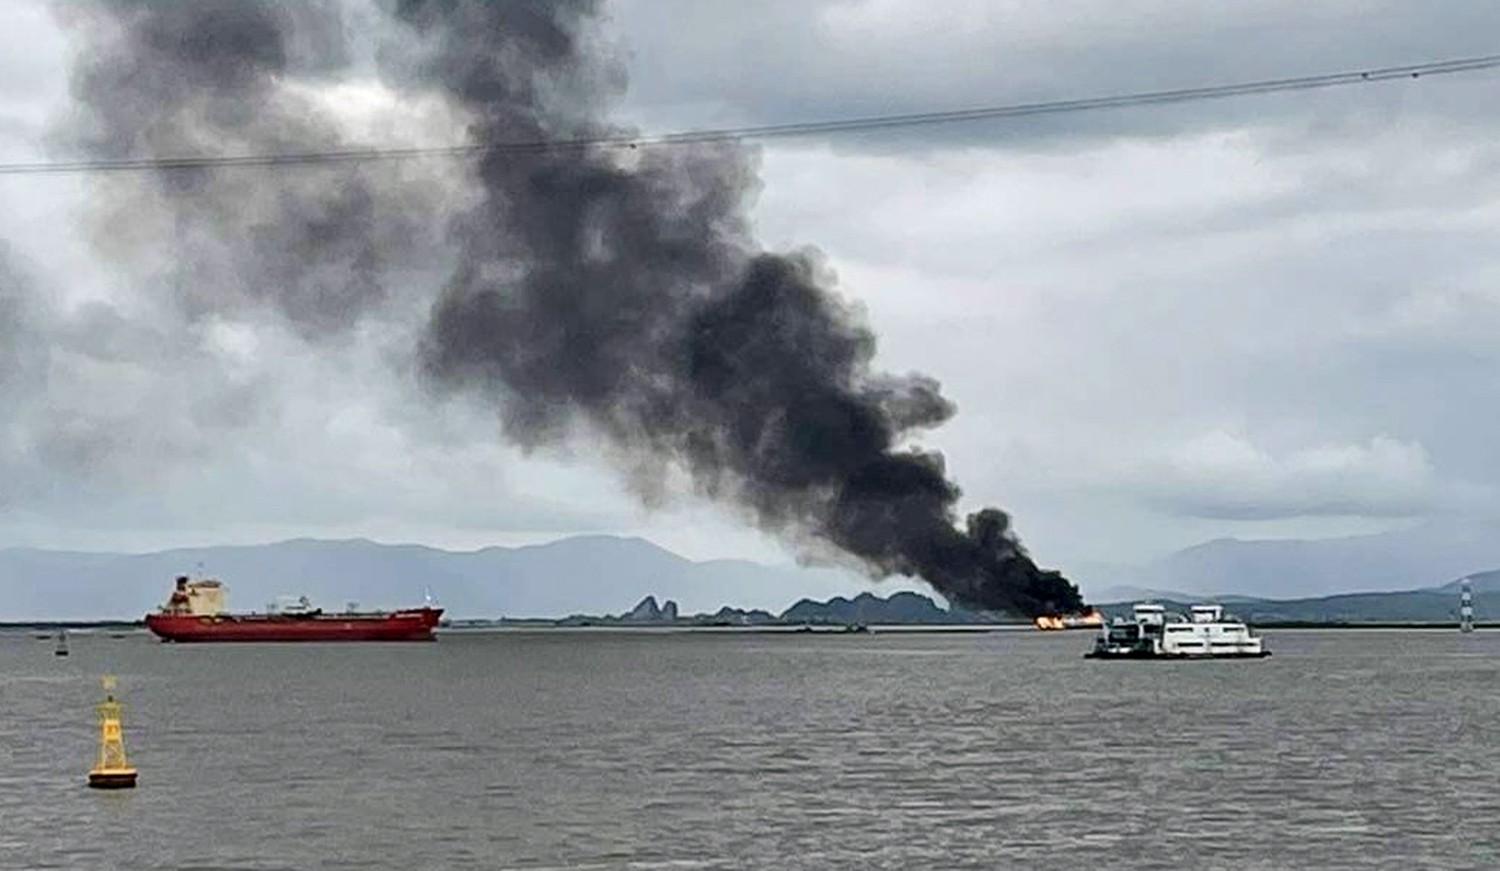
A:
[91,395]
[782,61]
[21,325]
[322,244]
[1099,293]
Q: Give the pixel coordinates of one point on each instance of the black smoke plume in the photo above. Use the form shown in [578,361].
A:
[163,79]
[618,292]
[626,290]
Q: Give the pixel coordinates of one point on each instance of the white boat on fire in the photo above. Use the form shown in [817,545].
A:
[1151,633]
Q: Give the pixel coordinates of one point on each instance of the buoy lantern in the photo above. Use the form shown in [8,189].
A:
[111,770]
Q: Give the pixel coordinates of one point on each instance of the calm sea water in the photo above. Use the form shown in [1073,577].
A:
[706,750]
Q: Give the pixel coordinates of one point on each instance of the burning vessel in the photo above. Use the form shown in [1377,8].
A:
[1088,618]
[195,612]
[1150,633]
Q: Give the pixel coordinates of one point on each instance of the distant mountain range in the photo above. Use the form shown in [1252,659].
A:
[1410,559]
[1407,575]
[1432,605]
[583,574]
[866,609]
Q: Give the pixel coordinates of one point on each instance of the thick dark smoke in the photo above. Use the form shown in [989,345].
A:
[626,290]
[322,244]
[619,292]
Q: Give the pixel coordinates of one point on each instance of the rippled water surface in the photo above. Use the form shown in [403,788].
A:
[718,750]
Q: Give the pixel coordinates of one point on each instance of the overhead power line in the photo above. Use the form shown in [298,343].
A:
[765,131]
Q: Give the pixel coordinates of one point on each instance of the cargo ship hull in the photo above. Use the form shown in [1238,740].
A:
[410,625]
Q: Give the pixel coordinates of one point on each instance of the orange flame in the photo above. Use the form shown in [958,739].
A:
[1088,617]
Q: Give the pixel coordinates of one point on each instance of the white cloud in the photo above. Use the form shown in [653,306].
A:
[1223,474]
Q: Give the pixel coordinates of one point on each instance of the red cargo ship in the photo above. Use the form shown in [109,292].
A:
[195,612]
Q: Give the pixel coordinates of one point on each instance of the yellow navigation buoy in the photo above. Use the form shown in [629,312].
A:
[111,771]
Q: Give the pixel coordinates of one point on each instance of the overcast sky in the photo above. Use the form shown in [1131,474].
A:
[1273,316]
